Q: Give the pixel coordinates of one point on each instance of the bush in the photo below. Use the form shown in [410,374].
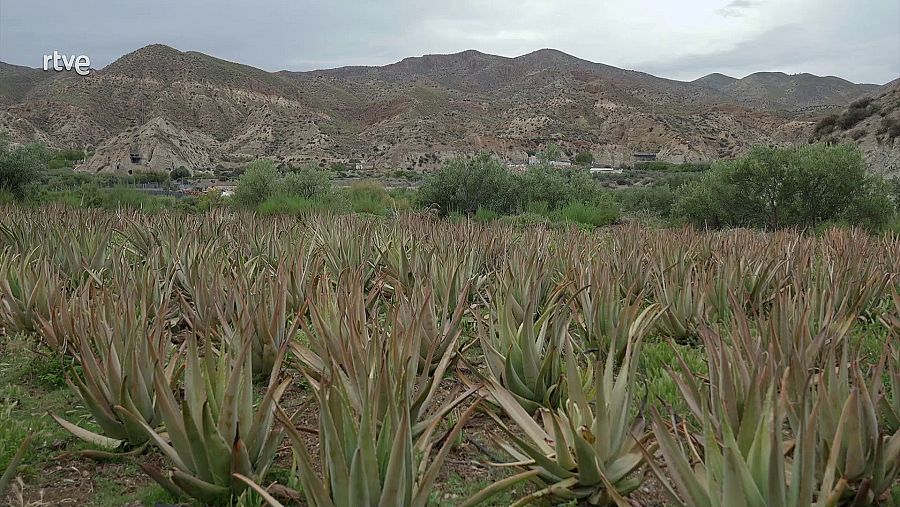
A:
[486,215]
[585,158]
[281,204]
[655,200]
[600,214]
[256,184]
[793,187]
[369,197]
[261,181]
[308,182]
[825,126]
[464,185]
[21,166]
[179,173]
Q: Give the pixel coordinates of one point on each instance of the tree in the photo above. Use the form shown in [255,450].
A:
[21,166]
[308,182]
[179,173]
[550,154]
[464,185]
[585,158]
[791,187]
[256,184]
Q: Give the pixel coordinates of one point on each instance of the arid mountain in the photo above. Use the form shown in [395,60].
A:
[171,108]
[780,91]
[873,124]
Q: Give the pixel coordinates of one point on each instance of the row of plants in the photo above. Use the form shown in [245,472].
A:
[207,338]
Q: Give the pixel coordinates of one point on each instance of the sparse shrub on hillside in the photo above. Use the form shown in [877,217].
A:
[889,126]
[858,111]
[825,126]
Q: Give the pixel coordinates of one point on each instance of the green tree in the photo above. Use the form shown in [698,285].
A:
[21,166]
[464,185]
[257,183]
[585,158]
[791,187]
[179,173]
[308,182]
[551,153]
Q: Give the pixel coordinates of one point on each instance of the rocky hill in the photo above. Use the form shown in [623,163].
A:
[171,108]
[871,123]
[780,91]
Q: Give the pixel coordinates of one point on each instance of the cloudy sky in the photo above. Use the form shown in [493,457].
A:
[855,39]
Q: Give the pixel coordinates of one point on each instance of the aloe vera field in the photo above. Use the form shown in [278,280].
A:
[229,358]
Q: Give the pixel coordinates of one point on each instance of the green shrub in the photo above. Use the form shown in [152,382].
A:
[369,197]
[585,158]
[308,182]
[256,184]
[21,166]
[655,200]
[464,185]
[598,214]
[179,173]
[486,215]
[791,187]
[281,204]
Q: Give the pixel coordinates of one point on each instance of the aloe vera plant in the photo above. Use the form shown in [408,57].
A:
[10,472]
[721,472]
[216,430]
[27,285]
[589,449]
[523,347]
[126,359]
[376,419]
[868,460]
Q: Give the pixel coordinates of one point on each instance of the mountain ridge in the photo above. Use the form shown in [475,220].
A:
[408,115]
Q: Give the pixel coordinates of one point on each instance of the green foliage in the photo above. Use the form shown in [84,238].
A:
[369,197]
[465,185]
[210,200]
[257,184]
[661,166]
[308,182]
[599,214]
[791,187]
[655,200]
[585,158]
[179,173]
[551,152]
[21,166]
[292,192]
[486,215]
[283,204]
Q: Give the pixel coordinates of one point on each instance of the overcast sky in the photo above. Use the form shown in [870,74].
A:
[855,39]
